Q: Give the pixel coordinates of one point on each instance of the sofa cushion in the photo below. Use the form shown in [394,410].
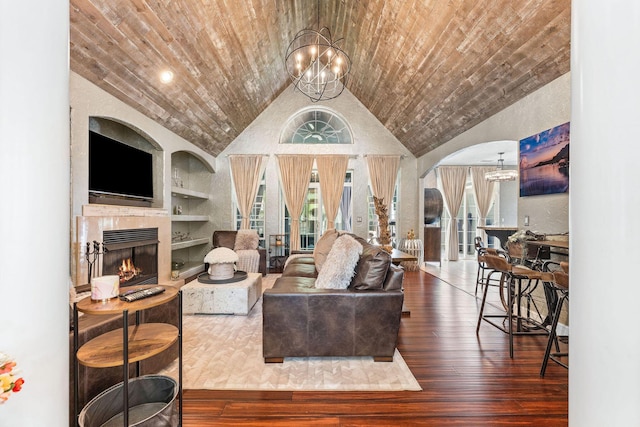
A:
[339,266]
[393,281]
[299,259]
[371,270]
[246,240]
[299,269]
[323,247]
[294,284]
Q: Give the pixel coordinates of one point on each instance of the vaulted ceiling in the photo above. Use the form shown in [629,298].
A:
[427,69]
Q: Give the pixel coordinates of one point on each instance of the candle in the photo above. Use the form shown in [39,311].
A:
[105,287]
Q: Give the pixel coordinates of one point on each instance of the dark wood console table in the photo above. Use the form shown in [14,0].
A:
[396,258]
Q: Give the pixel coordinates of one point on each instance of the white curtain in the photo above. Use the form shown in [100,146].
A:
[331,170]
[295,172]
[453,180]
[345,208]
[383,171]
[483,191]
[246,172]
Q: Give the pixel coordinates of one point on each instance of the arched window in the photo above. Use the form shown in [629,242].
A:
[316,125]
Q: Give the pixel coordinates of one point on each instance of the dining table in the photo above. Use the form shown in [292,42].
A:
[556,247]
[561,244]
[501,233]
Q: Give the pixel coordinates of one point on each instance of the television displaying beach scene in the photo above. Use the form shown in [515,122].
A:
[544,162]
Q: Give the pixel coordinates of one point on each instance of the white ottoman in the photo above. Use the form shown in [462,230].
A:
[226,298]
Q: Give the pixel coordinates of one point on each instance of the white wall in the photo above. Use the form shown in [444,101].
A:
[34,216]
[370,137]
[539,111]
[604,387]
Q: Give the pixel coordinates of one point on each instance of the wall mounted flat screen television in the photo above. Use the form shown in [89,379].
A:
[117,169]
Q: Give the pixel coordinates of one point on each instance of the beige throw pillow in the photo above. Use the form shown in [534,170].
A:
[323,247]
[246,240]
[340,264]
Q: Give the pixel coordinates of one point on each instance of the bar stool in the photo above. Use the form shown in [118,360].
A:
[482,275]
[513,275]
[482,266]
[560,284]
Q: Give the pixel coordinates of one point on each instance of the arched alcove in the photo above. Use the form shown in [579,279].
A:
[125,165]
[481,154]
[191,207]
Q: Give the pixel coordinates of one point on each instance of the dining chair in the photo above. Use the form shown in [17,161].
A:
[513,277]
[482,275]
[560,284]
[482,265]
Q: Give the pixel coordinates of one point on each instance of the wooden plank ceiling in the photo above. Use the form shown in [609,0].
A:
[428,70]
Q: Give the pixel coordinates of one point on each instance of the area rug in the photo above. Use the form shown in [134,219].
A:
[224,352]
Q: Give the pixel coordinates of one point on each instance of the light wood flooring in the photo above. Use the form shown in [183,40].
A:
[467,380]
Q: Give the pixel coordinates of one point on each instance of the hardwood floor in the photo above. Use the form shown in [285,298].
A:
[467,380]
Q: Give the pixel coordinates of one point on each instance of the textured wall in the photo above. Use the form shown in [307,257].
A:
[542,110]
[370,137]
[88,100]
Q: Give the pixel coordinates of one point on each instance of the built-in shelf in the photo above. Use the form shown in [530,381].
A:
[185,193]
[191,202]
[189,218]
[191,268]
[189,243]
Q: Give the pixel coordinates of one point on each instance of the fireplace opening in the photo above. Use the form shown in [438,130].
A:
[132,255]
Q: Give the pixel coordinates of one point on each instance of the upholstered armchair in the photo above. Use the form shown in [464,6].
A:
[251,257]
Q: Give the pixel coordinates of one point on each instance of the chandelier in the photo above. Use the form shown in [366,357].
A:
[501,174]
[316,64]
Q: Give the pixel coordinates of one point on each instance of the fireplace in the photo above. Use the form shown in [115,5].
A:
[132,255]
[113,226]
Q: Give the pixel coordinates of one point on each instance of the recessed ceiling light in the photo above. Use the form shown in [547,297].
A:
[166,76]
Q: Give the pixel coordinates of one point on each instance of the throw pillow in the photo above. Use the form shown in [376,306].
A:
[246,240]
[340,264]
[323,247]
[372,269]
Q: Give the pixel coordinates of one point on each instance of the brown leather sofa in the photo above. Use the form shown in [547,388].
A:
[227,239]
[300,320]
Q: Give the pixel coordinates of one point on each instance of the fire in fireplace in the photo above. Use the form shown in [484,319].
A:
[132,255]
[128,271]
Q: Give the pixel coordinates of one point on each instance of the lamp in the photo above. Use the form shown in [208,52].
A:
[501,174]
[316,64]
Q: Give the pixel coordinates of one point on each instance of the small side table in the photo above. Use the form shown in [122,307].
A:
[412,247]
[120,347]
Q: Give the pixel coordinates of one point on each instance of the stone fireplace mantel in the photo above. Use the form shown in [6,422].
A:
[97,218]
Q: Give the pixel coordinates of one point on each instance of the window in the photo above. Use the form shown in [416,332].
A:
[316,126]
[257,212]
[313,219]
[467,218]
